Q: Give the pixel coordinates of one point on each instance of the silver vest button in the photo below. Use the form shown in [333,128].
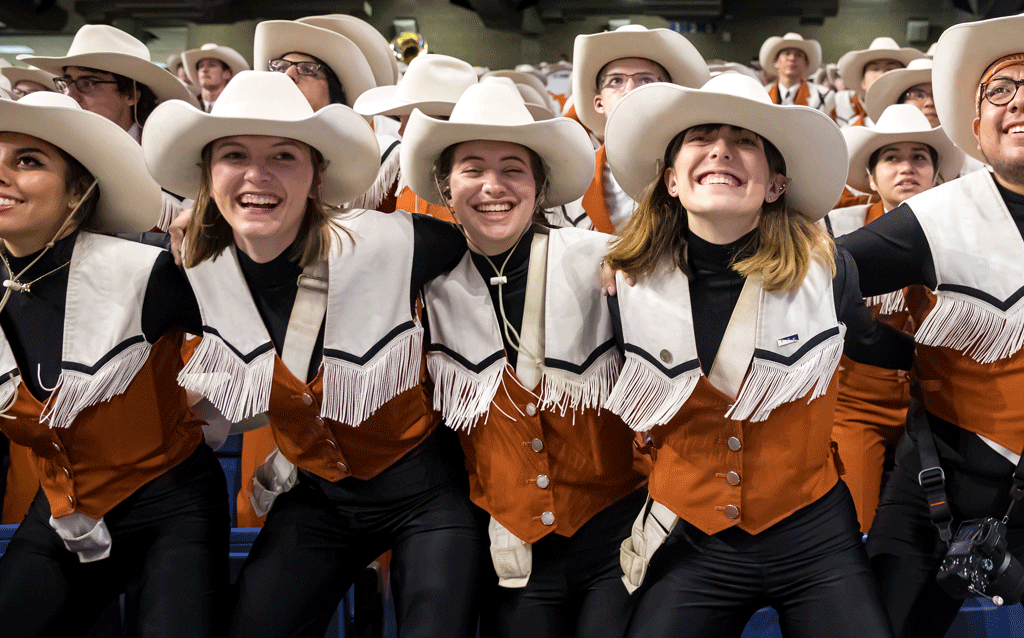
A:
[543,481]
[733,478]
[666,356]
[732,511]
[537,445]
[531,409]
[547,518]
[307,400]
[734,444]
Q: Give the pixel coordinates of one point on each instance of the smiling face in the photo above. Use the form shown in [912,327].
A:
[34,198]
[903,170]
[721,177]
[493,193]
[1000,133]
[261,185]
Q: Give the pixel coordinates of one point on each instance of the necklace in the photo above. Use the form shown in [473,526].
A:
[26,288]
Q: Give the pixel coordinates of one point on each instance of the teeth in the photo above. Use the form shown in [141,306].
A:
[1017,129]
[260,200]
[494,208]
[719,178]
[7,202]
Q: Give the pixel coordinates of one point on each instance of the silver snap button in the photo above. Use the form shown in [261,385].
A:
[307,400]
[547,518]
[733,478]
[732,511]
[543,481]
[531,409]
[666,356]
[734,444]
[537,445]
[320,422]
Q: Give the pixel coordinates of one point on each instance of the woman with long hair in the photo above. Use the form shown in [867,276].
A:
[732,334]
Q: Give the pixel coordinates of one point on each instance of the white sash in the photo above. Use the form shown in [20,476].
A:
[797,345]
[372,341]
[466,355]
[979,267]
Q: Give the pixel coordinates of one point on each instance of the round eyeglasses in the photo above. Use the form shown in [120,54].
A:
[1001,91]
[280,65]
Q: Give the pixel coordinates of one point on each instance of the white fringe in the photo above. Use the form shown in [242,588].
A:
[76,391]
[459,395]
[386,177]
[352,393]
[238,390]
[9,395]
[889,303]
[564,391]
[973,327]
[644,397]
[769,384]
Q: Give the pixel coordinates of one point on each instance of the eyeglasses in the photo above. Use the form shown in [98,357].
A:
[281,65]
[1001,92]
[84,85]
[617,81]
[917,95]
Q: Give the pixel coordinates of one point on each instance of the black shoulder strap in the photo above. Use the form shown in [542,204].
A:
[931,477]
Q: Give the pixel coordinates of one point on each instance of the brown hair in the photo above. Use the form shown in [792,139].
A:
[441,173]
[208,233]
[77,180]
[781,251]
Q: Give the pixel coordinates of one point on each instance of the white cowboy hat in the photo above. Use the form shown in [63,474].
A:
[534,102]
[720,67]
[32,74]
[773,45]
[898,123]
[433,84]
[888,88]
[495,111]
[643,124]
[530,79]
[262,103]
[851,65]
[275,38]
[129,198]
[931,50]
[99,46]
[962,55]
[591,53]
[227,55]
[375,48]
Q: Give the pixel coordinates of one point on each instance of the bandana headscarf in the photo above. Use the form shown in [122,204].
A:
[1006,61]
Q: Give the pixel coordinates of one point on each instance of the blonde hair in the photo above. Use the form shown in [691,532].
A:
[780,252]
[208,233]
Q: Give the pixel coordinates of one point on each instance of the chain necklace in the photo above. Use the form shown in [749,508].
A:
[13,282]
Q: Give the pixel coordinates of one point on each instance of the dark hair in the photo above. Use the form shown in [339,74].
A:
[335,91]
[442,174]
[601,73]
[873,160]
[223,65]
[77,180]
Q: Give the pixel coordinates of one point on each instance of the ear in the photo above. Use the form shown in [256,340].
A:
[671,181]
[599,104]
[871,182]
[976,127]
[776,187]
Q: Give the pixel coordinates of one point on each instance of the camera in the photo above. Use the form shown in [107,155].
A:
[978,563]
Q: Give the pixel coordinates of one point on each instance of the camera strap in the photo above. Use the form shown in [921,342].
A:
[931,477]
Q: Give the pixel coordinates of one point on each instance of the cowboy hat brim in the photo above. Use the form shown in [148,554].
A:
[375,48]
[773,45]
[384,100]
[227,55]
[591,53]
[862,142]
[39,76]
[851,65]
[129,199]
[648,118]
[159,80]
[176,133]
[962,54]
[890,86]
[562,144]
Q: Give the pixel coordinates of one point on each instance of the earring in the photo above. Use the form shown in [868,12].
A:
[73,203]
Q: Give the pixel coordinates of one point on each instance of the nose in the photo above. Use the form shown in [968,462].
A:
[72,92]
[721,148]
[293,73]
[256,173]
[493,186]
[1017,103]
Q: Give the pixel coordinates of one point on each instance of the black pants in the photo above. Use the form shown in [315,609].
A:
[320,535]
[170,544]
[811,567]
[575,588]
[904,546]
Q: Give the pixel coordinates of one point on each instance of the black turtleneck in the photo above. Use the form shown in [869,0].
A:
[437,248]
[33,322]
[892,252]
[513,293]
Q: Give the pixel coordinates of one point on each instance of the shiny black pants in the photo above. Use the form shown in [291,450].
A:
[170,546]
[320,535]
[811,567]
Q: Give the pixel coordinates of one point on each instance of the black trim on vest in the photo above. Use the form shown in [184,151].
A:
[671,373]
[788,360]
[118,349]
[578,369]
[476,369]
[374,349]
[246,358]
[1003,306]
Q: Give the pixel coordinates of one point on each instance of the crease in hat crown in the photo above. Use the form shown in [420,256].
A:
[252,95]
[491,103]
[102,38]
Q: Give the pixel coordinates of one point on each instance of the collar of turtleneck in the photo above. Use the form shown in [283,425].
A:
[706,257]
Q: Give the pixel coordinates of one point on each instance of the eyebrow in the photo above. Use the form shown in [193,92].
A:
[480,159]
[21,151]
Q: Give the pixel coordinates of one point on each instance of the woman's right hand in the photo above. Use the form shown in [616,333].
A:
[608,279]
[177,231]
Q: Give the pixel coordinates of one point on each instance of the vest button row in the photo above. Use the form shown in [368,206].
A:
[531,409]
[733,478]
[543,481]
[734,444]
[732,511]
[537,445]
[548,518]
[307,399]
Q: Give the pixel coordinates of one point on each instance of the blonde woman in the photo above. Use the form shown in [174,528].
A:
[738,404]
[310,320]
